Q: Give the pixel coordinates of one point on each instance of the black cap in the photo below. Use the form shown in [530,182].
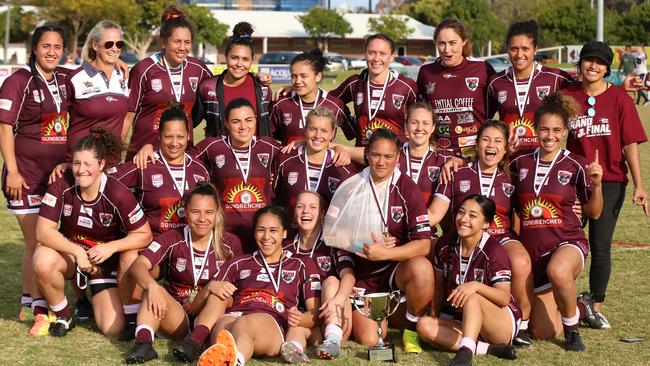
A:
[599,50]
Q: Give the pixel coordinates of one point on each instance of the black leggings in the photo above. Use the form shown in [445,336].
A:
[601,232]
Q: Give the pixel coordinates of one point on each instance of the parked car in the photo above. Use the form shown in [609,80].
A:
[278,58]
[206,60]
[358,63]
[408,60]
[336,62]
[498,63]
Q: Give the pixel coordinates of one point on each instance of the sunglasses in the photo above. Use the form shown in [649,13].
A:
[592,106]
[109,44]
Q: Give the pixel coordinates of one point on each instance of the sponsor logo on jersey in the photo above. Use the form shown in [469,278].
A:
[359,98]
[465,130]
[84,221]
[154,246]
[443,130]
[464,185]
[194,83]
[244,273]
[37,96]
[292,178]
[105,218]
[15,203]
[471,83]
[244,197]
[67,209]
[478,274]
[543,91]
[397,212]
[6,104]
[35,200]
[502,96]
[287,118]
[464,118]
[564,177]
[433,172]
[172,213]
[220,160]
[263,158]
[444,143]
[198,178]
[523,172]
[111,99]
[333,184]
[324,263]
[54,128]
[525,130]
[508,189]
[181,264]
[431,88]
[156,85]
[262,277]
[444,120]
[157,180]
[398,100]
[374,125]
[540,212]
[448,75]
[288,276]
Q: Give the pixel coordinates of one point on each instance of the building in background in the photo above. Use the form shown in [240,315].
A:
[273,5]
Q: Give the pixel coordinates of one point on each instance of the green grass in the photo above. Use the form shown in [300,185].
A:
[627,309]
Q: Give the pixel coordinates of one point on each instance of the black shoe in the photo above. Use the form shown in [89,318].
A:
[591,319]
[83,309]
[128,333]
[463,357]
[573,341]
[187,352]
[61,327]
[504,351]
[142,352]
[522,339]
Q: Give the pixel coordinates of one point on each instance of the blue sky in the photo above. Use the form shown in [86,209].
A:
[352,3]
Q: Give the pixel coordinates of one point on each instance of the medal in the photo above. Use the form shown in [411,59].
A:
[195,277]
[383,208]
[193,292]
[278,306]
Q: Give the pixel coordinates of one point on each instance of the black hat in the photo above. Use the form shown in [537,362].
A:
[599,50]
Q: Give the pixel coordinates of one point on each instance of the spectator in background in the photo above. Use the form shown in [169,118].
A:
[640,60]
[627,61]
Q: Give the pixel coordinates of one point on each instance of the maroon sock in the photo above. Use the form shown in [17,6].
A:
[200,334]
[39,306]
[582,310]
[143,335]
[66,312]
[568,328]
[130,318]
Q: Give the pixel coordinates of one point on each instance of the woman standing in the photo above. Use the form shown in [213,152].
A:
[33,133]
[455,84]
[607,123]
[94,210]
[381,96]
[216,92]
[162,77]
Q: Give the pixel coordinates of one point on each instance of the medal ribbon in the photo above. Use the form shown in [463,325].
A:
[538,187]
[55,98]
[276,284]
[371,115]
[178,91]
[188,240]
[244,172]
[303,121]
[481,179]
[320,174]
[415,177]
[181,188]
[383,208]
[522,105]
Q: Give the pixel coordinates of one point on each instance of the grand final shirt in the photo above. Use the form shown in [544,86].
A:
[255,287]
[526,97]
[157,189]
[289,116]
[95,101]
[152,86]
[385,107]
[424,171]
[243,177]
[457,96]
[40,127]
[615,125]
[466,182]
[547,217]
[185,270]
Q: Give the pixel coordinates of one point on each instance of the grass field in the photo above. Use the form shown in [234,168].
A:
[627,307]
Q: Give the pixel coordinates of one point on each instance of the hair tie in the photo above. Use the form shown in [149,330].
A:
[246,38]
[172,16]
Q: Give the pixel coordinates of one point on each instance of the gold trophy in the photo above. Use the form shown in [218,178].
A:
[377,306]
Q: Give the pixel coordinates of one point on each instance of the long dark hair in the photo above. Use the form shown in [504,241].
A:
[106,146]
[275,210]
[173,17]
[528,28]
[36,38]
[501,127]
[242,35]
[314,58]
[460,29]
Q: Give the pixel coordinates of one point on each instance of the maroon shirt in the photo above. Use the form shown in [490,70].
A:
[173,249]
[424,171]
[457,96]
[156,189]
[408,220]
[95,101]
[465,182]
[548,219]
[320,255]
[151,91]
[393,107]
[245,90]
[615,125]
[40,132]
[288,120]
[502,98]
[240,197]
[290,177]
[488,264]
[255,291]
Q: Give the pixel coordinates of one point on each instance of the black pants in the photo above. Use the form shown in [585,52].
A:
[641,93]
[601,232]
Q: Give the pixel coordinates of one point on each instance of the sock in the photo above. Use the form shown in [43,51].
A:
[241,360]
[298,346]
[524,325]
[143,334]
[412,319]
[200,334]
[39,306]
[482,348]
[62,309]
[333,332]
[469,343]
[571,323]
[582,310]
[131,312]
[26,300]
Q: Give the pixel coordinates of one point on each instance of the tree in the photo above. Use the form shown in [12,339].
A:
[22,23]
[635,28]
[512,11]
[321,24]
[391,25]
[566,22]
[426,11]
[480,21]
[208,29]
[389,6]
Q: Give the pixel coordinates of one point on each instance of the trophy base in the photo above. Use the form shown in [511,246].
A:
[383,353]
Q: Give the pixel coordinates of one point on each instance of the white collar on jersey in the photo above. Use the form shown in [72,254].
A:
[322,93]
[102,184]
[481,244]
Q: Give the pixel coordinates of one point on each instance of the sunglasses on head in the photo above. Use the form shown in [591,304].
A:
[109,44]
[592,106]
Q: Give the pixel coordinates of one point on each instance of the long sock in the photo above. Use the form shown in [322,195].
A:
[131,312]
[241,360]
[482,348]
[200,334]
[333,332]
[39,306]
[26,300]
[143,334]
[524,325]
[571,323]
[62,309]
[298,346]
[412,320]
[469,343]
[582,310]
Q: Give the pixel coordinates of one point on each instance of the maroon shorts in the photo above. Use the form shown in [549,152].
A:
[450,313]
[540,277]
[29,203]
[505,237]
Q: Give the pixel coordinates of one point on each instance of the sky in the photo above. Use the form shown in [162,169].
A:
[352,3]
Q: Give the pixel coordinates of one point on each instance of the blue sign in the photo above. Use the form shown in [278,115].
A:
[279,73]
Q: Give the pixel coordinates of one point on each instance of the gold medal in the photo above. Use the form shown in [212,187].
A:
[192,295]
[386,234]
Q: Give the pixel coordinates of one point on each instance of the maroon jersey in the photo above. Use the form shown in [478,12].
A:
[184,270]
[244,179]
[95,101]
[108,217]
[320,254]
[424,171]
[615,125]
[256,291]
[40,127]
[547,217]
[488,264]
[152,86]
[289,115]
[388,109]
[407,218]
[504,98]
[466,182]
[292,175]
[157,189]
[457,96]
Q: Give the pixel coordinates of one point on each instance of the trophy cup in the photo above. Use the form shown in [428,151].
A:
[377,306]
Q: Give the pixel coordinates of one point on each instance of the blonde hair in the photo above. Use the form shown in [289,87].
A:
[87,52]
[209,190]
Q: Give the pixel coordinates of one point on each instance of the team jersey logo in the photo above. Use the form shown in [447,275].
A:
[264,159]
[523,172]
[54,128]
[464,185]
[373,125]
[265,93]
[220,160]
[444,143]
[157,180]
[244,273]
[35,200]
[105,218]
[198,178]
[497,222]
[397,212]
[540,208]
[433,172]
[64,91]
[156,85]
[194,83]
[292,178]
[398,100]
[67,210]
[287,118]
[37,96]
[508,189]
[244,194]
[181,263]
[431,87]
[478,274]
[471,83]
[564,177]
[324,263]
[502,96]
[543,91]
[359,98]
[172,213]
[288,276]
[333,184]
